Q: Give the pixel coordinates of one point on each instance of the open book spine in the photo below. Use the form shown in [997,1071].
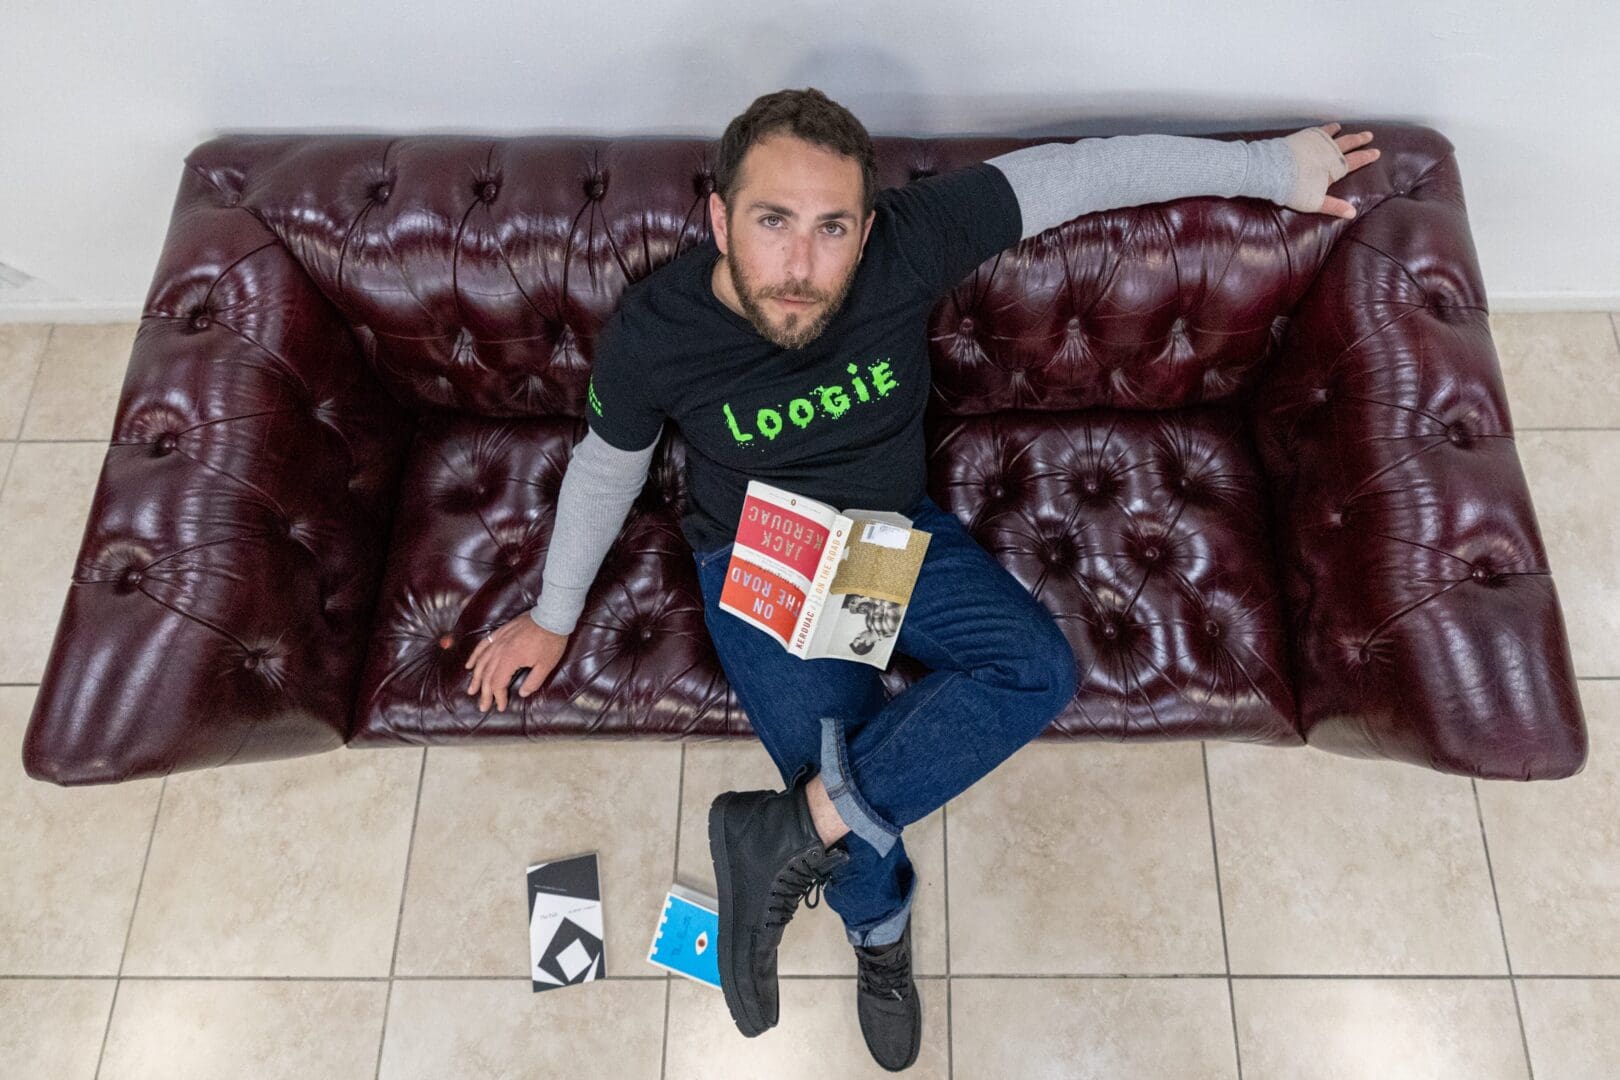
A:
[804,631]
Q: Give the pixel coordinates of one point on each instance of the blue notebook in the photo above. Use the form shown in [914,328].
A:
[688,935]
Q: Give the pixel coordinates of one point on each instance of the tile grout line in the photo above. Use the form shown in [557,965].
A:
[399,918]
[1501,926]
[1220,904]
[5,476]
[669,983]
[22,421]
[33,381]
[129,929]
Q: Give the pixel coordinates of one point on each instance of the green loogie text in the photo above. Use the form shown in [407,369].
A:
[801,410]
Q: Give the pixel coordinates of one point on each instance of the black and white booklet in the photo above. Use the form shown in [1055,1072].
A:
[565,923]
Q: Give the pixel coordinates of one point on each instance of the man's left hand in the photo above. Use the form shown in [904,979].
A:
[1320,158]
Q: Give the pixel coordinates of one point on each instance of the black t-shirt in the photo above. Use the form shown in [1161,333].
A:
[840,420]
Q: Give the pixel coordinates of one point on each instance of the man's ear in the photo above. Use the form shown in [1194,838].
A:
[717,220]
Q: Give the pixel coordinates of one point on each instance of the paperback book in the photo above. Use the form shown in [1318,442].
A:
[823,582]
[686,941]
[565,923]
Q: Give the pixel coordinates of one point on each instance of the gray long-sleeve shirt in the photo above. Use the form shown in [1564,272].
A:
[1054,182]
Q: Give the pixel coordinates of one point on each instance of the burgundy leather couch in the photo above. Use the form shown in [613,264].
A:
[1259,464]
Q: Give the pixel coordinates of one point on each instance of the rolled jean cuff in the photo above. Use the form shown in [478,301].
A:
[851,805]
[888,930]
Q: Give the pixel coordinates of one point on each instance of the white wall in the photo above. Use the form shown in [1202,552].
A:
[100,103]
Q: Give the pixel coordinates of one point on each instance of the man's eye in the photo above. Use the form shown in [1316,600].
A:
[768,218]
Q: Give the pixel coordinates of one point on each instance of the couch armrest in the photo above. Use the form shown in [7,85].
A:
[221,599]
[1424,621]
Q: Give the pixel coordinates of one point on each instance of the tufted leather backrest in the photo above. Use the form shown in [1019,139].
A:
[476,272]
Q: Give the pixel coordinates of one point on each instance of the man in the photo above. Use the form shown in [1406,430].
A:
[791,347]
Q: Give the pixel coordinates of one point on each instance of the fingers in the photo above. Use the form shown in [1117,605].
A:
[1337,207]
[503,680]
[492,671]
[491,684]
[478,661]
[1346,143]
[531,682]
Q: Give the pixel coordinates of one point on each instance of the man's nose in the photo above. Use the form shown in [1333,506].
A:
[800,249]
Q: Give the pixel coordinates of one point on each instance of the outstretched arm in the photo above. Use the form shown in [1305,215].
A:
[1058,181]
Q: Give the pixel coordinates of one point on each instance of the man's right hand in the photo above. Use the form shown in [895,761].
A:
[520,643]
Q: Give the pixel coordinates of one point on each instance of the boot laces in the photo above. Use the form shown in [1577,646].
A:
[885,974]
[796,882]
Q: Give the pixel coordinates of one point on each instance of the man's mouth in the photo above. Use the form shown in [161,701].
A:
[794,300]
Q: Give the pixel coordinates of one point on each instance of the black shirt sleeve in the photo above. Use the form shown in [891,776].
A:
[621,401]
[949,223]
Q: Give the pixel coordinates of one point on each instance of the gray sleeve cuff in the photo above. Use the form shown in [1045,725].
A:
[598,489]
[1056,182]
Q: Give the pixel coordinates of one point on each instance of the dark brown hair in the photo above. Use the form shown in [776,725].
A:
[808,114]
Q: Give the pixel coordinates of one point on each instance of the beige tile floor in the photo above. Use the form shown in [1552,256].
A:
[1184,911]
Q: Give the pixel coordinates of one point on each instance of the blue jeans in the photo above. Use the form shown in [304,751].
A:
[1001,669]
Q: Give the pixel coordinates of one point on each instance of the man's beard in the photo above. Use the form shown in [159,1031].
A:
[805,327]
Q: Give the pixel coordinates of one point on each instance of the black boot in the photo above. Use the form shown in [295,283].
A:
[887,1003]
[767,857]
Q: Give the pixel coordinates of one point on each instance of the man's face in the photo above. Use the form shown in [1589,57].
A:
[794,230]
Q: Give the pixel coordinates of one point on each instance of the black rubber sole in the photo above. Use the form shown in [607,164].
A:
[731,929]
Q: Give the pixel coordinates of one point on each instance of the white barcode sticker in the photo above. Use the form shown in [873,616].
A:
[890,536]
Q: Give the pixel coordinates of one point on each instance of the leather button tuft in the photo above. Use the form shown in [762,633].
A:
[487,191]
[966,325]
[381,192]
[201,321]
[1480,573]
[1319,394]
[1212,628]
[1457,434]
[596,188]
[646,633]
[1110,630]
[132,577]
[1091,485]
[251,661]
[446,641]
[1151,554]
[166,443]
